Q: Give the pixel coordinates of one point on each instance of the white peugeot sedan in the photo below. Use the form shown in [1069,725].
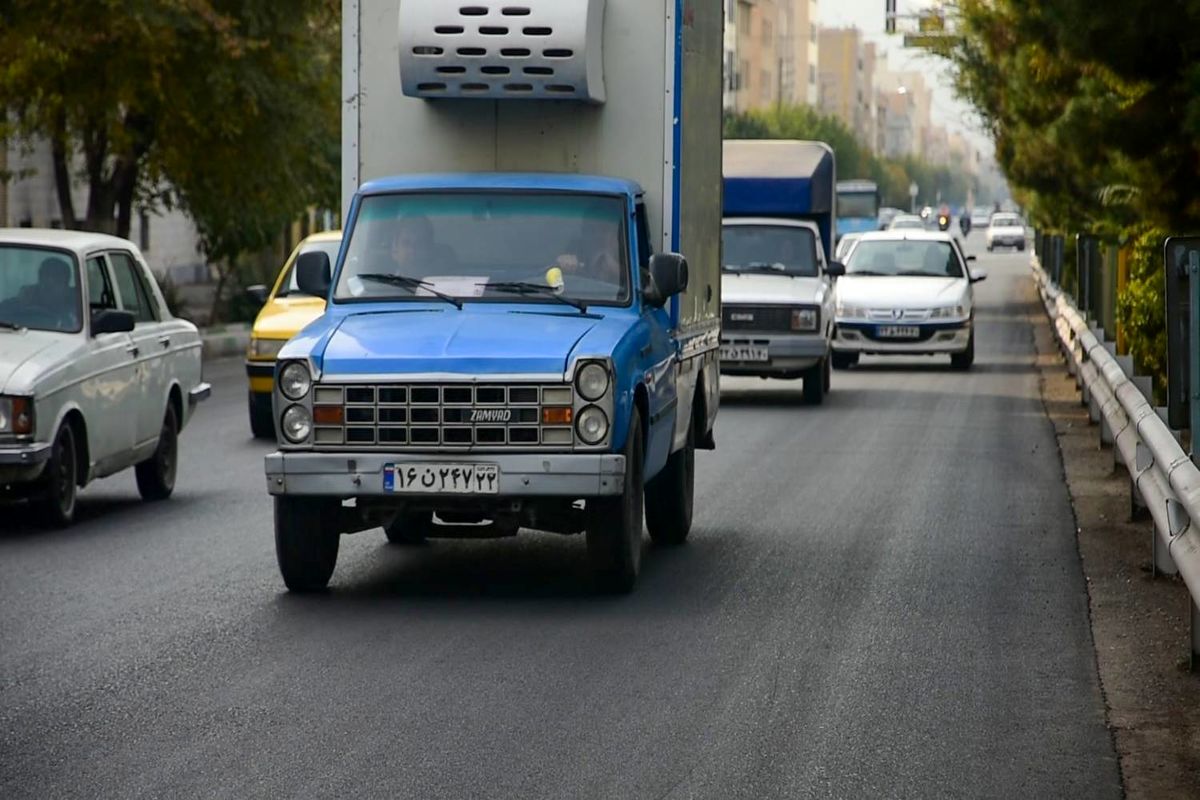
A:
[1005,230]
[95,374]
[906,293]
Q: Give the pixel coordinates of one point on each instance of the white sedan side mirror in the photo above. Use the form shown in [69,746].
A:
[978,275]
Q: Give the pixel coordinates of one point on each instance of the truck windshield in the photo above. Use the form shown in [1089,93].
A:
[769,248]
[39,289]
[483,245]
[857,204]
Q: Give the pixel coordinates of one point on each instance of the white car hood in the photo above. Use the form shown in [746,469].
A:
[900,292]
[758,288]
[27,355]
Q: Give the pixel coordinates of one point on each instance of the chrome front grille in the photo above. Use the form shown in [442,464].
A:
[438,416]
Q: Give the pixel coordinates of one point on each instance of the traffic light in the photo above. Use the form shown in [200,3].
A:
[890,16]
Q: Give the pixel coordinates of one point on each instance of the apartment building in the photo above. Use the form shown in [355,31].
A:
[775,45]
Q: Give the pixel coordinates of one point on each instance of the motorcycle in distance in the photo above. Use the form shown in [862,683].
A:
[944,218]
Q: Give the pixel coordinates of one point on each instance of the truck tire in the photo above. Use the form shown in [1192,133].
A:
[670,496]
[963,361]
[56,508]
[614,526]
[305,547]
[409,527]
[262,420]
[844,360]
[156,475]
[814,384]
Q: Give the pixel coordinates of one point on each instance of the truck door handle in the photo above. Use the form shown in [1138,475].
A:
[133,350]
[165,341]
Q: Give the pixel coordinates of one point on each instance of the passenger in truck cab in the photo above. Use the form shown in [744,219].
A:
[415,253]
[595,253]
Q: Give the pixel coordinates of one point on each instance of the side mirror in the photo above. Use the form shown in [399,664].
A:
[110,320]
[669,276]
[978,275]
[835,269]
[313,274]
[258,293]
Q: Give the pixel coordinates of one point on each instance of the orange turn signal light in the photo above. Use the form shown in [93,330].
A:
[22,415]
[557,416]
[328,415]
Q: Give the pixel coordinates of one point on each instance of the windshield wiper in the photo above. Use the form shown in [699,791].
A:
[412,284]
[872,274]
[11,326]
[913,273]
[522,287]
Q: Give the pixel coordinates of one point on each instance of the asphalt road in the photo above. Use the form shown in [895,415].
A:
[882,597]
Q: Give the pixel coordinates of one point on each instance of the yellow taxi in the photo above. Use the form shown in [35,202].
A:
[285,311]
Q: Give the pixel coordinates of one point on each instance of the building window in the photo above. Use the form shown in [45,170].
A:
[813,34]
[765,78]
[143,231]
[812,73]
[767,34]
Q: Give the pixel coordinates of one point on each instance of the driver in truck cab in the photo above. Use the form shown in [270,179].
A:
[595,253]
[414,252]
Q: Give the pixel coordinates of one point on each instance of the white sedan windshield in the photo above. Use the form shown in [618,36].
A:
[903,258]
[39,289]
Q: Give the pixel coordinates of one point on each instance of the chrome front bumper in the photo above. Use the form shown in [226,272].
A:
[359,474]
[24,455]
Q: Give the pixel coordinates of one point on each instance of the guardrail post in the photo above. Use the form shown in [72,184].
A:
[1160,555]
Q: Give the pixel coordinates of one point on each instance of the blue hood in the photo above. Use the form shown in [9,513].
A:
[474,341]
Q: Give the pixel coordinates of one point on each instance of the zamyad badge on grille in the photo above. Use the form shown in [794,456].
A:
[741,316]
[491,415]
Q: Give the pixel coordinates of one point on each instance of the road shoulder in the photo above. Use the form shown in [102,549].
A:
[1139,623]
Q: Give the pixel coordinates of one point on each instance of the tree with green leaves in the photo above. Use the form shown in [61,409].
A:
[228,108]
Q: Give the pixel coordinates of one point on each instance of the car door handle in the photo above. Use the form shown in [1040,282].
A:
[165,341]
[133,350]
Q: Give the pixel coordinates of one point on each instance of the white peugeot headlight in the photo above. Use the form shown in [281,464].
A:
[949,312]
[851,312]
[295,381]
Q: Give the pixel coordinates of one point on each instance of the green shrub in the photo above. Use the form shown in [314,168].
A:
[1141,307]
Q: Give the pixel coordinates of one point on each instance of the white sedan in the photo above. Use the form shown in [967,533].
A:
[96,375]
[906,293]
[1005,230]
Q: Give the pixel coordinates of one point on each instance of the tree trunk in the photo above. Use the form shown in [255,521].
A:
[224,269]
[125,178]
[60,154]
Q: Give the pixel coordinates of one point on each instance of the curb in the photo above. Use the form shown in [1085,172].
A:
[225,341]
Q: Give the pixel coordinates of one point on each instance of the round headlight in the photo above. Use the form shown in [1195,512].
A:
[592,382]
[592,425]
[295,381]
[296,424]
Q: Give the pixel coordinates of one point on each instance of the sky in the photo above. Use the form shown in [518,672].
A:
[868,16]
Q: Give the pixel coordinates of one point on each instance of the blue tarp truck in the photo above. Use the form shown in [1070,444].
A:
[777,276]
[523,321]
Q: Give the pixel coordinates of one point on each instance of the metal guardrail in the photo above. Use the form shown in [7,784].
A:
[1161,473]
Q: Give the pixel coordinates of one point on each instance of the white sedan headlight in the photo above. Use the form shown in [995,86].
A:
[846,311]
[949,312]
[16,415]
[266,348]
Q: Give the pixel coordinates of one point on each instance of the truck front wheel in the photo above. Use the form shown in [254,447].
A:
[305,546]
[670,494]
[614,525]
[815,385]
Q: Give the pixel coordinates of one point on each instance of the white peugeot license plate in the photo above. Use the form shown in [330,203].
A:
[899,332]
[738,352]
[441,478]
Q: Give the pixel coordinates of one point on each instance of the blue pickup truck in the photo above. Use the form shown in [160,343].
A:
[510,342]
